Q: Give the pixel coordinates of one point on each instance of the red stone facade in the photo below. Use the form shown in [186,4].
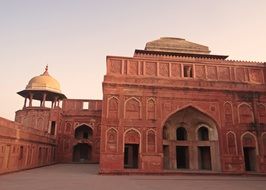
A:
[162,112]
[173,112]
[80,130]
[43,136]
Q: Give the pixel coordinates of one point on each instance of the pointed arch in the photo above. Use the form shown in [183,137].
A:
[83,131]
[207,146]
[231,143]
[245,113]
[111,140]
[132,108]
[151,109]
[261,112]
[228,113]
[84,123]
[132,136]
[186,107]
[151,141]
[112,107]
[248,139]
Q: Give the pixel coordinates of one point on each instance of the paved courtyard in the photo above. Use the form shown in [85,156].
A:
[83,176]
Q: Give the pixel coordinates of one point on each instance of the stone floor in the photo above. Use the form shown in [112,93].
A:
[84,176]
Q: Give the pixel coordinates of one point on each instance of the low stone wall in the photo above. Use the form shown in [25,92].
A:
[24,148]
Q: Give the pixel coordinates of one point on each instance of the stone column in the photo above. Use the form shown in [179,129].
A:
[25,102]
[30,102]
[43,100]
[54,102]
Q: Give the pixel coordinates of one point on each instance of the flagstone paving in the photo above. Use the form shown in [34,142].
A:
[85,176]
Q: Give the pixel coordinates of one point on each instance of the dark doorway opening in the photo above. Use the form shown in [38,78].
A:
[82,153]
[83,132]
[203,134]
[181,134]
[182,157]
[166,157]
[85,135]
[250,158]
[205,158]
[131,156]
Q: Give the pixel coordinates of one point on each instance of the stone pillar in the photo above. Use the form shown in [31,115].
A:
[30,102]
[25,102]
[43,100]
[54,102]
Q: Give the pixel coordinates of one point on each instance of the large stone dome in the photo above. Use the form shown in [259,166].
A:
[44,82]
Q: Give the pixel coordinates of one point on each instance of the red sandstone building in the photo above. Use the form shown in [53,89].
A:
[172,107]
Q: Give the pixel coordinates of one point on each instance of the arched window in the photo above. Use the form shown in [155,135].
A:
[203,134]
[181,134]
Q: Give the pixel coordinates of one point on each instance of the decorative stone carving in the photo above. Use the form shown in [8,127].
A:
[240,74]
[115,66]
[133,68]
[224,73]
[249,140]
[231,143]
[132,108]
[176,70]
[150,109]
[262,113]
[200,72]
[245,114]
[150,141]
[112,108]
[256,75]
[211,73]
[132,137]
[151,68]
[164,69]
[111,140]
[228,113]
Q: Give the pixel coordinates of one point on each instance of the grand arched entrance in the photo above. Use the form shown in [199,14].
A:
[82,153]
[190,141]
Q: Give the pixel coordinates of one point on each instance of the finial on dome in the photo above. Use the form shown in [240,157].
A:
[46,70]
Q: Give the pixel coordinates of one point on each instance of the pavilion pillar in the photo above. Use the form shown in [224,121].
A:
[30,102]
[25,102]
[54,102]
[43,100]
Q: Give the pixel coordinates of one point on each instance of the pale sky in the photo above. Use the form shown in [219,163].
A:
[74,36]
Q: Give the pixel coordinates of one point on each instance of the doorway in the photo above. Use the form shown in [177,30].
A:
[131,156]
[204,158]
[82,153]
[250,158]
[182,157]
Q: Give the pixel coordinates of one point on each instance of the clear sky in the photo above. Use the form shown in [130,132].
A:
[74,36]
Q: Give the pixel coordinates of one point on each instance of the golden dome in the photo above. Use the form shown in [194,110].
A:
[44,82]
